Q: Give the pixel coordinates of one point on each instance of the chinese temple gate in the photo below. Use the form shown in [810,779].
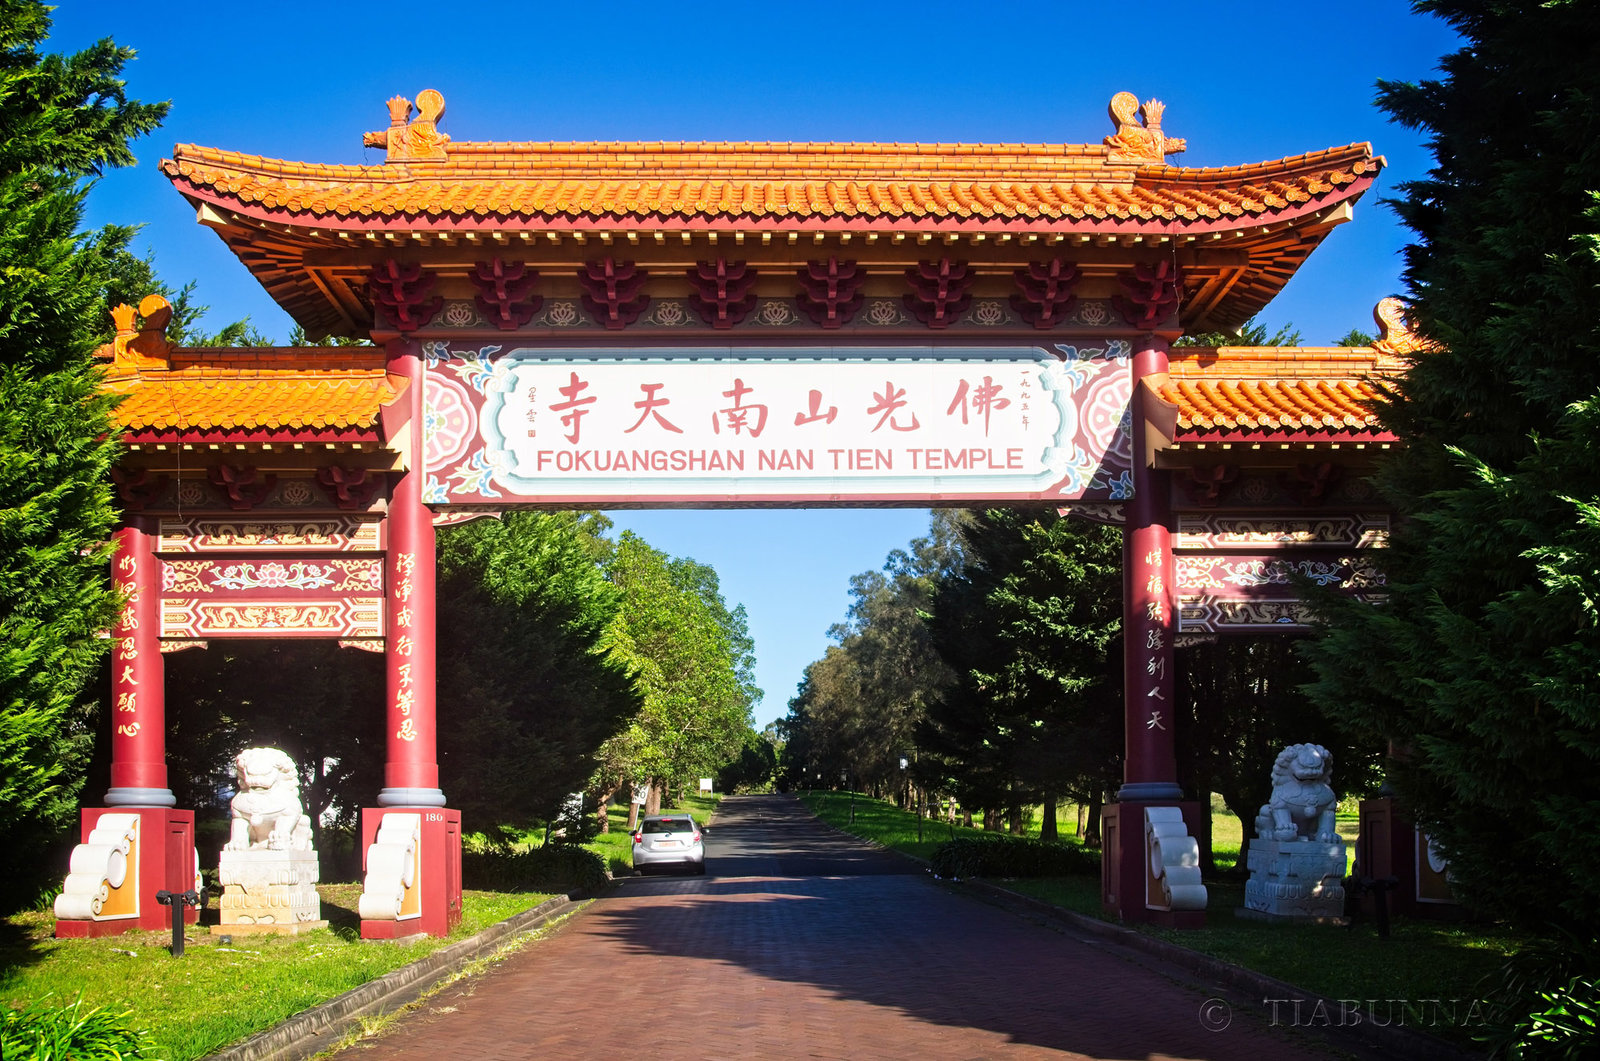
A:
[726,325]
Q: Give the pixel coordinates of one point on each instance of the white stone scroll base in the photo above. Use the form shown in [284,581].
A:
[269,892]
[103,873]
[389,890]
[1174,862]
[1295,881]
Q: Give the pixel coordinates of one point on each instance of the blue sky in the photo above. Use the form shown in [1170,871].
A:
[1243,82]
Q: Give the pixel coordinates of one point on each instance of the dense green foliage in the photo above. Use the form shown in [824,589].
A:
[46,1031]
[551,868]
[528,685]
[1481,668]
[692,658]
[1011,856]
[1031,630]
[63,119]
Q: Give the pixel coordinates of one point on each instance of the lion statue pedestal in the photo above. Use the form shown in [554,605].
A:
[1297,860]
[269,869]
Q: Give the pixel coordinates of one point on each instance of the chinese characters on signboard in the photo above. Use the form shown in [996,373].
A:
[835,424]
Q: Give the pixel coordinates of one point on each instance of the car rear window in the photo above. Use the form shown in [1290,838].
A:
[669,825]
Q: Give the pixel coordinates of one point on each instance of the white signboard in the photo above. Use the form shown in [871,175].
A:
[797,424]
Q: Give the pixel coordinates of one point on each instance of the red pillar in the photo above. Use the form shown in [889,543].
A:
[138,678]
[1149,615]
[427,900]
[1149,623]
[161,854]
[411,771]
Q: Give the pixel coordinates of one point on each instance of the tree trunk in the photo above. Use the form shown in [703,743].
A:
[1208,861]
[1014,824]
[604,801]
[991,820]
[1047,824]
[652,802]
[1091,837]
[1083,816]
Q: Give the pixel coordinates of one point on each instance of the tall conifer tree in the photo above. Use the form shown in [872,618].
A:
[62,120]
[1482,668]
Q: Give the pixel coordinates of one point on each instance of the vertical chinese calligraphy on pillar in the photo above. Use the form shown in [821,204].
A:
[138,725]
[1149,615]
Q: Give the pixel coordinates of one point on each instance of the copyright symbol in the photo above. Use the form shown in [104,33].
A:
[1215,1015]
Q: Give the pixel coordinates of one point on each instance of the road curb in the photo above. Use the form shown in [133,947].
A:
[316,1029]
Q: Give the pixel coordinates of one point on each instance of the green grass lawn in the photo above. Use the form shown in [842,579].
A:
[1420,960]
[215,994]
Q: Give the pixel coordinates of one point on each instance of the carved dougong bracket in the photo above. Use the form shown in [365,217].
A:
[242,487]
[1045,292]
[612,292]
[939,292]
[136,487]
[830,292]
[723,292]
[1310,483]
[1149,294]
[349,488]
[1205,486]
[505,293]
[402,291]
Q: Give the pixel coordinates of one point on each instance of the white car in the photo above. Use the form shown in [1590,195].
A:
[669,840]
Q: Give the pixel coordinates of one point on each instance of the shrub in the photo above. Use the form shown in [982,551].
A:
[552,868]
[41,1031]
[1545,1002]
[1011,857]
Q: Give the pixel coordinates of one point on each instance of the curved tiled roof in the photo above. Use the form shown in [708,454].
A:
[1221,391]
[262,390]
[534,182]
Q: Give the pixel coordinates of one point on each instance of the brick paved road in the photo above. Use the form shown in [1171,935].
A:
[800,943]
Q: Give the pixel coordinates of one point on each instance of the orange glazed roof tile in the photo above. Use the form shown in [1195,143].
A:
[1277,390]
[255,390]
[533,182]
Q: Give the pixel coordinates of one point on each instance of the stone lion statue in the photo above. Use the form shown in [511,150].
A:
[266,811]
[1303,805]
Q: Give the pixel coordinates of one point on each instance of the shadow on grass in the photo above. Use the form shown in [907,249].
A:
[340,903]
[19,948]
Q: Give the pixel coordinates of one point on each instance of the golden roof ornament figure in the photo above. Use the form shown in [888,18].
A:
[1399,340]
[412,141]
[1139,137]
